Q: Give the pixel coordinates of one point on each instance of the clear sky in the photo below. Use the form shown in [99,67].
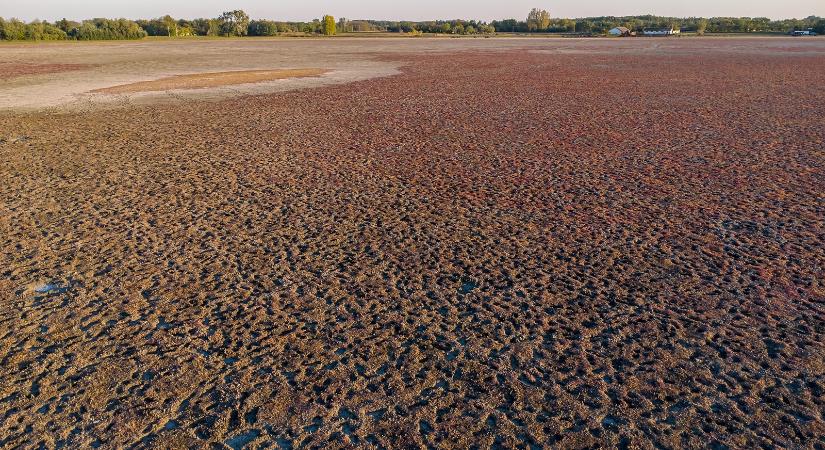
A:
[300,10]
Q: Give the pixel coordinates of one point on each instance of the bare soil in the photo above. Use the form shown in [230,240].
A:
[9,70]
[506,244]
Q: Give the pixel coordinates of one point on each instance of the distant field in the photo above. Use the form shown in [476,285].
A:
[439,243]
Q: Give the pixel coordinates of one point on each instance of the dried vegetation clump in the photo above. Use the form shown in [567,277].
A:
[503,249]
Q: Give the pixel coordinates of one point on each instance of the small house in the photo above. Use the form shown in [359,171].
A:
[619,31]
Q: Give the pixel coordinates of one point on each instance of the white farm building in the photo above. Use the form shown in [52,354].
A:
[660,31]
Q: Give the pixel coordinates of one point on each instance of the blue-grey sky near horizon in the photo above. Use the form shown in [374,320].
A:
[301,10]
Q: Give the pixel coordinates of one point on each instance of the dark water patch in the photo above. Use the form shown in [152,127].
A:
[316,424]
[242,440]
[467,286]
[52,288]
[424,427]
[346,414]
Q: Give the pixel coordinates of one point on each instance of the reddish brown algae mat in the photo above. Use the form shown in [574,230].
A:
[490,250]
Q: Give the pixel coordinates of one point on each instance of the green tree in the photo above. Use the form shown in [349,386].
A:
[488,29]
[584,26]
[207,27]
[343,25]
[170,24]
[66,25]
[44,31]
[162,26]
[509,25]
[263,28]
[406,27]
[107,29]
[328,25]
[701,26]
[234,23]
[12,30]
[538,20]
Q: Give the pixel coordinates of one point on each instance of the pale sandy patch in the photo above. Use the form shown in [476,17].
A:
[210,80]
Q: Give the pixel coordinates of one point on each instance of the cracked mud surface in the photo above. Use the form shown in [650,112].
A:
[513,249]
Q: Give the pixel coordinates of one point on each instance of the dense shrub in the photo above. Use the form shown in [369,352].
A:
[12,30]
[263,28]
[206,27]
[437,26]
[16,30]
[107,29]
[66,25]
[44,31]
[167,26]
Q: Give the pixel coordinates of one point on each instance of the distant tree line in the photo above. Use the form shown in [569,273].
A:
[230,23]
[238,23]
[541,23]
[88,30]
[462,27]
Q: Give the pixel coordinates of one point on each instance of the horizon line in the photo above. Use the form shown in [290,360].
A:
[416,21]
